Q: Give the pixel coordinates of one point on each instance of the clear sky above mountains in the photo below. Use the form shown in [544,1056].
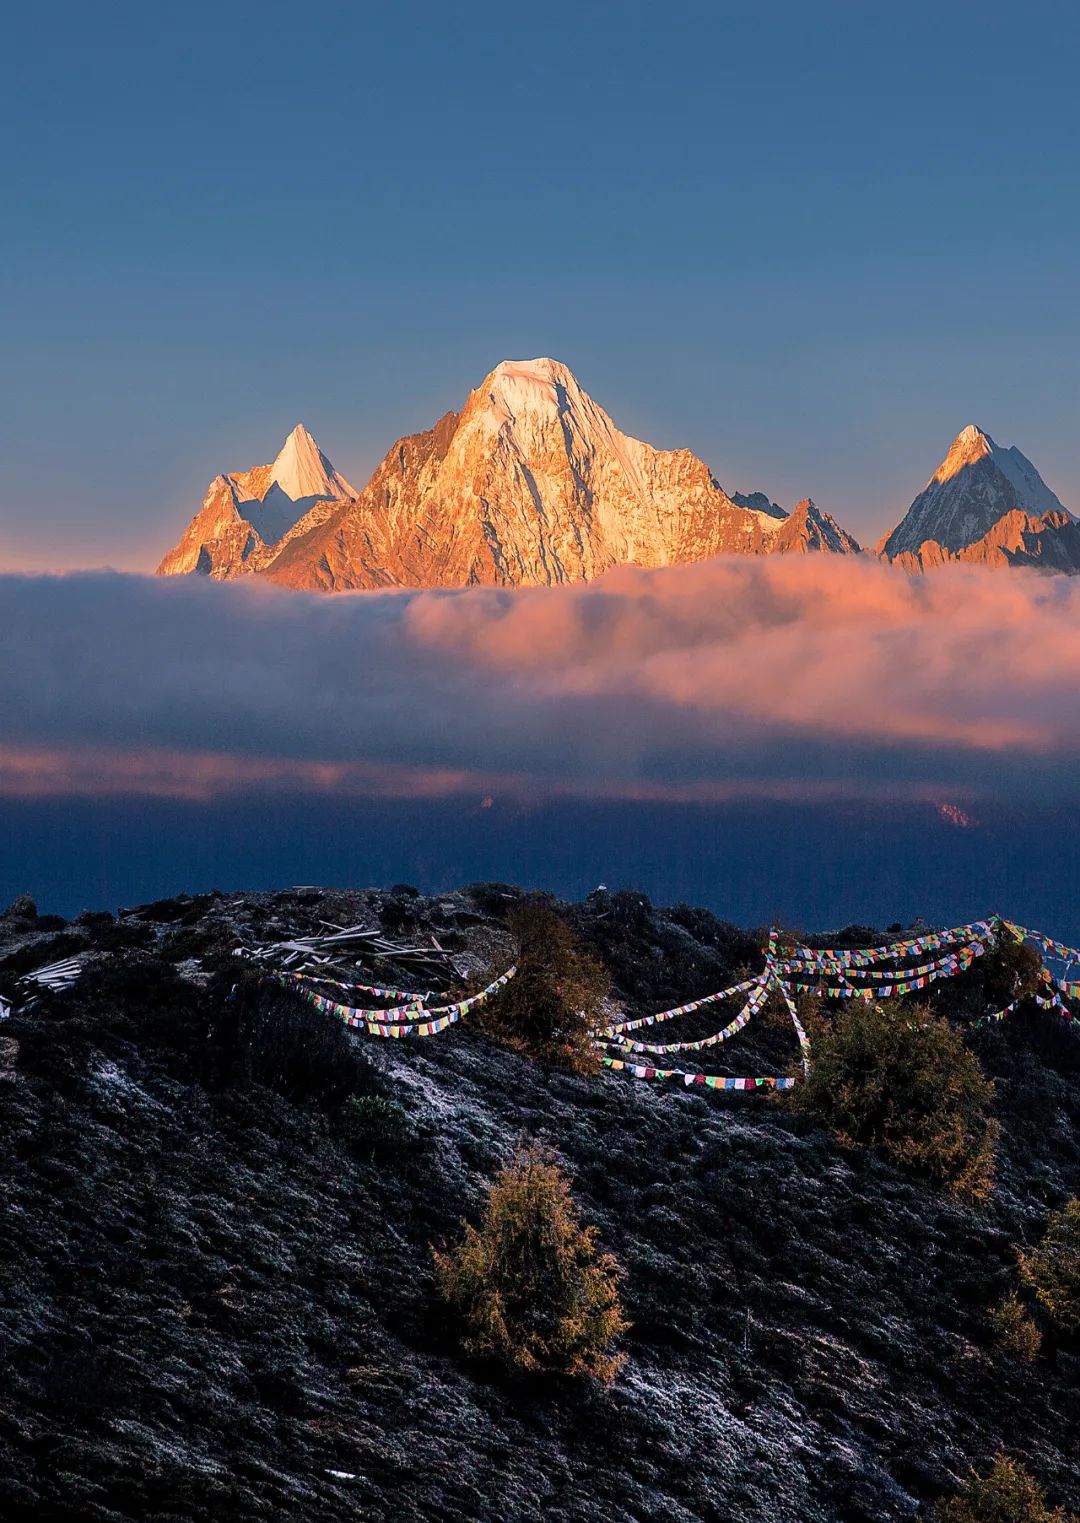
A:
[808,242]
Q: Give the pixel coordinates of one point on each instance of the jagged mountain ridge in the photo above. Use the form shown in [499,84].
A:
[533,484]
[530,484]
[246,516]
[985,504]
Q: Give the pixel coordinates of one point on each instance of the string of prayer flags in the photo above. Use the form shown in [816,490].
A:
[412,998]
[1047,943]
[620,1027]
[431,1022]
[804,1040]
[953,962]
[752,1006]
[892,951]
[710,1081]
[901,984]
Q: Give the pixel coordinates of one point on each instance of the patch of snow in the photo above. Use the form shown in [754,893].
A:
[302,470]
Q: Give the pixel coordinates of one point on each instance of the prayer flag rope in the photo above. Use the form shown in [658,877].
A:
[711,1081]
[620,1027]
[1047,943]
[953,962]
[900,985]
[804,1040]
[414,1000]
[892,951]
[444,1016]
[411,1012]
[1045,1001]
[752,1006]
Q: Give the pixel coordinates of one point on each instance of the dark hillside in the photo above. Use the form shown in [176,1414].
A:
[213,1306]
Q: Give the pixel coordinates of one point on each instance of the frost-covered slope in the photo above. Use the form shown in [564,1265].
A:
[215,1307]
[245,512]
[984,503]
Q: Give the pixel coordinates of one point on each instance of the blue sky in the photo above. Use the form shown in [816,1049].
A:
[810,242]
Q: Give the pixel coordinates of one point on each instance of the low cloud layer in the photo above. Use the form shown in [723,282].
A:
[786,678]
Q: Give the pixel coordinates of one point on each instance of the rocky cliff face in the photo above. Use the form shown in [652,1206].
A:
[1044,541]
[988,505]
[807,530]
[247,516]
[530,484]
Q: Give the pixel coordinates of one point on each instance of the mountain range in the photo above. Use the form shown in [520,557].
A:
[531,483]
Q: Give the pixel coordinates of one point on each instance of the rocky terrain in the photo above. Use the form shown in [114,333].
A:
[213,1307]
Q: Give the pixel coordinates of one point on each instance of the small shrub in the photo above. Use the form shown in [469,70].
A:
[1008,1494]
[494,899]
[182,909]
[188,941]
[38,954]
[397,915]
[1052,1269]
[373,1125]
[1014,1330]
[901,1081]
[552,1004]
[94,919]
[1009,970]
[124,936]
[146,992]
[265,1035]
[529,1282]
[24,907]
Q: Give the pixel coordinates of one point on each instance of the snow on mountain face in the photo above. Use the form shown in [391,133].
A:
[531,483]
[977,485]
[247,516]
[301,471]
[758,502]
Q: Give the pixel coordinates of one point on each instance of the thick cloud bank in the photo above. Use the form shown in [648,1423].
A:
[788,678]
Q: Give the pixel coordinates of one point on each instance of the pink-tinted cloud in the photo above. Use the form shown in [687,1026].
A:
[831,646]
[784,678]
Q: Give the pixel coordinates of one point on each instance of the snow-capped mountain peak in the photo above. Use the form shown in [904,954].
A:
[971,444]
[301,470]
[531,483]
[976,486]
[244,513]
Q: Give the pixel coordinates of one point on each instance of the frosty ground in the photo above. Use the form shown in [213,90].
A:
[212,1307]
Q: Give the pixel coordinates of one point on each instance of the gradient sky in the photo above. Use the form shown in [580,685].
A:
[810,242]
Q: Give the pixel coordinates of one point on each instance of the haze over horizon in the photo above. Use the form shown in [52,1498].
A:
[810,264]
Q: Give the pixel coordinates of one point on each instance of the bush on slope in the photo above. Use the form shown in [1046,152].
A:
[898,1079]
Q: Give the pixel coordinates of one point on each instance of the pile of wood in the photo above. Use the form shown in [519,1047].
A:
[343,949]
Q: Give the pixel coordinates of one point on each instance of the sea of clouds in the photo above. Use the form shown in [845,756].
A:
[777,677]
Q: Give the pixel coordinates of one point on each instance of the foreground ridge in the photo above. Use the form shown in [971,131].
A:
[220,1299]
[835,973]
